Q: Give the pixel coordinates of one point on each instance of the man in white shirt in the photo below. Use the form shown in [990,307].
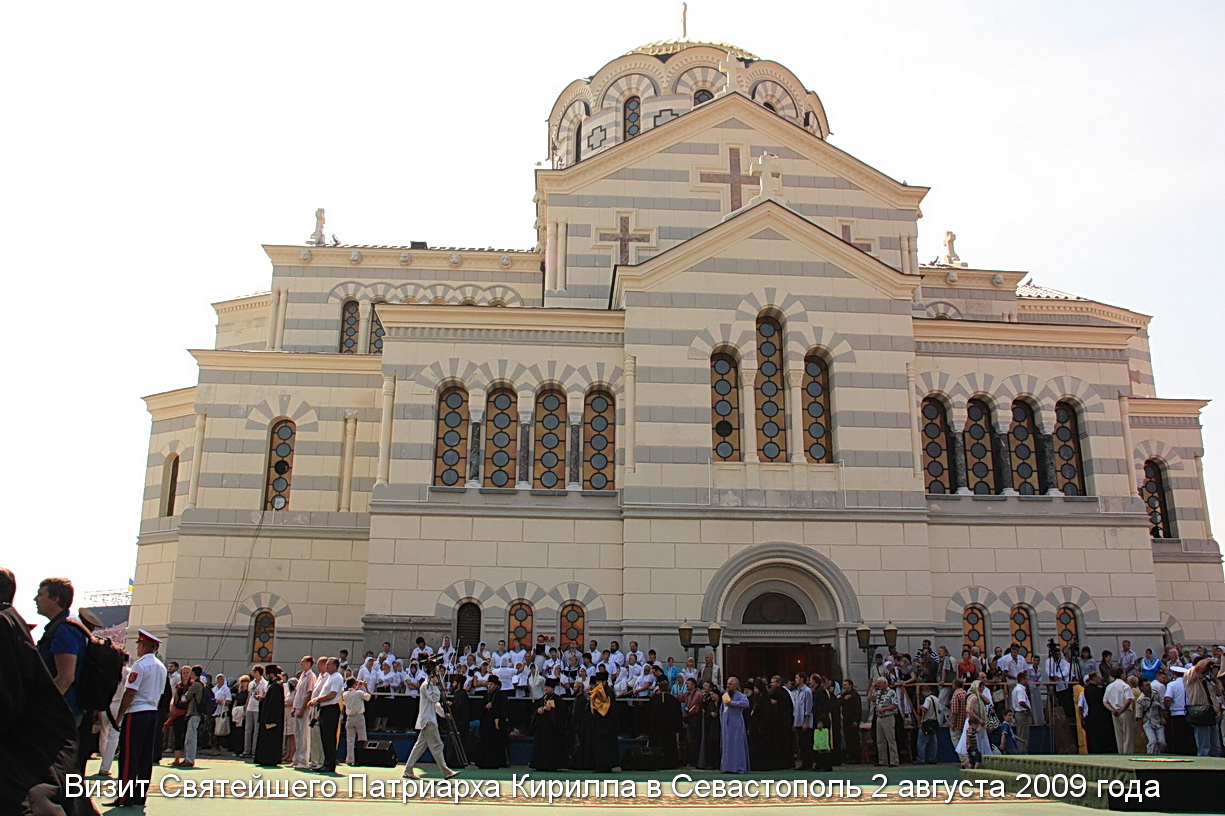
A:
[633,650]
[421,652]
[498,655]
[387,654]
[1179,735]
[615,653]
[139,722]
[1118,700]
[1022,711]
[301,713]
[354,700]
[801,719]
[256,691]
[312,716]
[327,700]
[517,653]
[427,731]
[1012,663]
[644,683]
[1059,672]
[710,672]
[506,675]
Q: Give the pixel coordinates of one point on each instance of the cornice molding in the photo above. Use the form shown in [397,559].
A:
[399,316]
[1158,407]
[297,362]
[525,262]
[171,404]
[261,300]
[1091,308]
[1026,334]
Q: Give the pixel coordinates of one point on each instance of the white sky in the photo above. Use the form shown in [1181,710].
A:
[151,148]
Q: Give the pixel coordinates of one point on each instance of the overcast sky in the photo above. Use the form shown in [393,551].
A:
[151,148]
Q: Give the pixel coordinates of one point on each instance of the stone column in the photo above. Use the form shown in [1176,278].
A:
[476,421]
[916,438]
[385,424]
[525,446]
[1128,457]
[630,406]
[576,451]
[550,255]
[795,407]
[280,323]
[346,467]
[1005,483]
[363,326]
[957,446]
[563,243]
[274,316]
[197,459]
[748,415]
[1203,494]
[1046,463]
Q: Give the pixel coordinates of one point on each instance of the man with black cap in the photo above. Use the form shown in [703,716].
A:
[138,721]
[548,731]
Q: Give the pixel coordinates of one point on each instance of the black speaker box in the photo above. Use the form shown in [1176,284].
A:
[376,754]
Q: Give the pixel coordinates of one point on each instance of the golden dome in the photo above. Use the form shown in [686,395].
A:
[668,47]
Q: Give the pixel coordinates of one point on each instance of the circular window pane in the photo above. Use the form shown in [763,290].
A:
[451,438]
[499,478]
[930,411]
[501,439]
[501,420]
[768,349]
[769,388]
[450,458]
[724,450]
[449,477]
[549,459]
[284,432]
[599,461]
[812,368]
[722,366]
[500,459]
[279,502]
[977,432]
[549,440]
[599,405]
[935,469]
[1020,433]
[502,402]
[452,420]
[769,368]
[455,400]
[723,387]
[816,451]
[770,449]
[599,481]
[279,484]
[551,402]
[770,429]
[816,430]
[550,422]
[815,389]
[599,442]
[931,430]
[599,424]
[769,408]
[283,450]
[723,408]
[766,329]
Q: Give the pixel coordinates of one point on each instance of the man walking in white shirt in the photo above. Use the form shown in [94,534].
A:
[427,730]
[1118,701]
[301,713]
[1022,710]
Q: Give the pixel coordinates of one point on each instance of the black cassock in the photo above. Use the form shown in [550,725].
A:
[664,725]
[549,735]
[491,753]
[1099,725]
[851,705]
[580,733]
[604,752]
[461,708]
[782,730]
[760,722]
[823,708]
[271,738]
[710,752]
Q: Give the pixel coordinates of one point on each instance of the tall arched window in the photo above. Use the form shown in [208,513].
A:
[376,329]
[974,625]
[572,620]
[451,437]
[770,391]
[818,441]
[1067,626]
[980,456]
[519,623]
[350,319]
[264,638]
[280,465]
[502,442]
[550,469]
[725,406]
[578,142]
[702,95]
[632,117]
[170,483]
[599,429]
[1021,625]
[1069,468]
[1023,444]
[468,625]
[936,461]
[1156,500]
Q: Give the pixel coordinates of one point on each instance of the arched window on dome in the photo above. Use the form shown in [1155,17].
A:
[280,465]
[572,621]
[770,391]
[725,407]
[936,460]
[170,483]
[1156,500]
[376,328]
[550,459]
[451,437]
[974,626]
[350,319]
[1067,626]
[770,107]
[1069,465]
[468,625]
[263,639]
[980,448]
[1023,444]
[599,429]
[702,95]
[1021,626]
[578,141]
[519,623]
[632,117]
[818,436]
[502,440]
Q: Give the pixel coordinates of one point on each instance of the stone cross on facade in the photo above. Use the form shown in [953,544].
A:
[730,66]
[317,236]
[950,254]
[623,237]
[734,177]
[846,236]
[768,170]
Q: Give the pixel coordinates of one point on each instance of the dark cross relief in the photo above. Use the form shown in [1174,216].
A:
[623,238]
[846,236]
[733,177]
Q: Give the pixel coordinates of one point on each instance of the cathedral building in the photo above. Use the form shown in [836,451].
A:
[721,388]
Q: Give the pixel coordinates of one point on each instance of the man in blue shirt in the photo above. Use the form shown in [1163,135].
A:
[62,645]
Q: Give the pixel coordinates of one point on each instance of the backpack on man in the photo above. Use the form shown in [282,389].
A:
[99,676]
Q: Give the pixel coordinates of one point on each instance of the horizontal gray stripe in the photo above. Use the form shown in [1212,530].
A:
[1163,422]
[702,300]
[290,378]
[578,230]
[931,293]
[693,148]
[818,182]
[316,324]
[175,424]
[1095,465]
[765,266]
[938,349]
[648,174]
[842,211]
[412,450]
[1072,319]
[548,337]
[638,202]
[412,273]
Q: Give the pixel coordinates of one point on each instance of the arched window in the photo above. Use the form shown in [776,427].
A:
[702,95]
[818,441]
[350,318]
[974,625]
[1023,444]
[451,438]
[264,638]
[774,609]
[502,442]
[770,391]
[1021,624]
[519,623]
[280,465]
[578,142]
[376,330]
[572,620]
[550,470]
[936,464]
[170,483]
[980,457]
[1067,626]
[769,106]
[632,117]
[1156,500]
[468,625]
[599,429]
[1069,469]
[725,406]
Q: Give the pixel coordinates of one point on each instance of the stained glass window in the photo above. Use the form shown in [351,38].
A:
[451,438]
[974,625]
[468,625]
[501,438]
[550,470]
[936,466]
[774,609]
[572,619]
[1156,502]
[1023,443]
[702,95]
[172,482]
[280,465]
[264,638]
[725,406]
[376,330]
[1069,470]
[520,623]
[349,321]
[980,457]
[632,114]
[1021,624]
[818,441]
[1067,626]
[599,428]
[770,392]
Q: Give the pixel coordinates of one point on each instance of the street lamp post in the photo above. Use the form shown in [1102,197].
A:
[863,633]
[714,633]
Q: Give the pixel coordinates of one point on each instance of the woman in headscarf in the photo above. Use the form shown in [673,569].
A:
[974,732]
[734,742]
[241,695]
[271,725]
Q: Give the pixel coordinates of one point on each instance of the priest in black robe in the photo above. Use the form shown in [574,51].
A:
[823,705]
[580,732]
[710,751]
[665,724]
[461,715]
[850,705]
[495,730]
[602,727]
[270,740]
[548,731]
[782,726]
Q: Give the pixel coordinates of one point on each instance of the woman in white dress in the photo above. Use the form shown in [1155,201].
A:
[977,700]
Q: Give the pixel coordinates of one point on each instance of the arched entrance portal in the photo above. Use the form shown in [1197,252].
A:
[784,608]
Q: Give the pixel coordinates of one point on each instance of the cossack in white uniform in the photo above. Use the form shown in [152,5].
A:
[148,678]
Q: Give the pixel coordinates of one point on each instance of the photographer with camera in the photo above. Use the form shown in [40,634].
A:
[1203,713]
[1059,672]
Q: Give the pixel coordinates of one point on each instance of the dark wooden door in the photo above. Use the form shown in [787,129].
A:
[745,660]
